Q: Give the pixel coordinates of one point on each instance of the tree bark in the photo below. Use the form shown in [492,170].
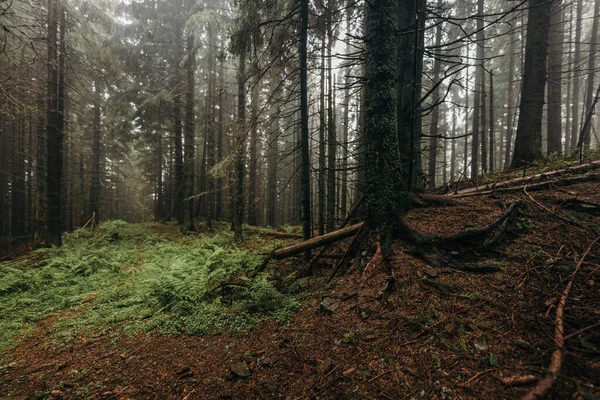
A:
[510,100]
[189,132]
[479,83]
[315,242]
[576,77]
[331,127]
[555,56]
[321,182]
[528,142]
[435,113]
[411,23]
[253,162]
[53,134]
[238,207]
[304,148]
[586,131]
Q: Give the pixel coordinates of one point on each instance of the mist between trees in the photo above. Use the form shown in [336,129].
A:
[277,112]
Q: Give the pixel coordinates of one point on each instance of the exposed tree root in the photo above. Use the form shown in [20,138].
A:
[478,233]
[432,200]
[429,253]
[427,248]
[556,361]
[376,256]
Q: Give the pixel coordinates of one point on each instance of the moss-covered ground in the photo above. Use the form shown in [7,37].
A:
[138,277]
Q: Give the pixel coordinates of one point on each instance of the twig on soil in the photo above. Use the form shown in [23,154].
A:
[374,258]
[349,254]
[559,337]
[570,335]
[567,220]
[379,376]
[477,375]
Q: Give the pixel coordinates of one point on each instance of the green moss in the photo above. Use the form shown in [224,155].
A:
[140,281]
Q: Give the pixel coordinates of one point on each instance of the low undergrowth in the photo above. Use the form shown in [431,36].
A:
[128,278]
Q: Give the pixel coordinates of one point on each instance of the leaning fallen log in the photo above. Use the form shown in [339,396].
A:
[532,179]
[317,241]
[310,244]
[536,186]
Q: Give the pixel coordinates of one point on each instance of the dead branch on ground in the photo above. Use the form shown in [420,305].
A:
[559,337]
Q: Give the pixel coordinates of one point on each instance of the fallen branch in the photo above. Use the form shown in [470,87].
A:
[317,241]
[519,380]
[567,220]
[535,186]
[321,253]
[350,252]
[528,179]
[559,337]
[583,206]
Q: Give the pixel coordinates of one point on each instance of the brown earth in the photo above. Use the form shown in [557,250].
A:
[440,334]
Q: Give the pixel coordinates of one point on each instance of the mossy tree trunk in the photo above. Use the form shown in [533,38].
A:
[386,195]
[528,142]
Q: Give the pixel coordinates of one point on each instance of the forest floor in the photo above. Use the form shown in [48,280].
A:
[150,313]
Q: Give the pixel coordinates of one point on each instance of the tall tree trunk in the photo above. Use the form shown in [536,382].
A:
[30,152]
[272,151]
[510,100]
[453,160]
[159,211]
[178,207]
[238,209]
[484,126]
[435,113]
[41,163]
[586,131]
[411,23]
[253,197]
[555,56]
[568,103]
[96,133]
[321,182]
[331,129]
[385,196]
[346,128]
[219,182]
[18,180]
[466,144]
[3,177]
[479,83]
[528,142]
[53,134]
[61,118]
[189,132]
[576,77]
[211,181]
[304,148]
[492,123]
